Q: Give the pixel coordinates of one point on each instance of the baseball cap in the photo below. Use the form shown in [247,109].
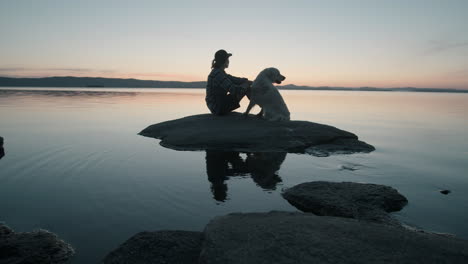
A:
[222,55]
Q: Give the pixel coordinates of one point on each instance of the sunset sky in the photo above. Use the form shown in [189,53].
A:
[421,43]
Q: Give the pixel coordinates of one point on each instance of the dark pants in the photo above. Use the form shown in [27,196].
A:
[228,103]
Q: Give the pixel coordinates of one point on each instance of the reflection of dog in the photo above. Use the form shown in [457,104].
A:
[262,167]
[267,96]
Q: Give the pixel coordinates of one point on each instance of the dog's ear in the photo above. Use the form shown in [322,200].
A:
[275,73]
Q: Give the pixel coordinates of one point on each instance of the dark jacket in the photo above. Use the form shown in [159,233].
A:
[223,91]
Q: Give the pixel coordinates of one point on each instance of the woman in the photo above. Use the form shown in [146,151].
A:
[223,91]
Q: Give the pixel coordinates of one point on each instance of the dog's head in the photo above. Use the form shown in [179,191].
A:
[274,75]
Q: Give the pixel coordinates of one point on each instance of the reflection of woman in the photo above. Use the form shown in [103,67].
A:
[262,167]
[224,91]
[220,165]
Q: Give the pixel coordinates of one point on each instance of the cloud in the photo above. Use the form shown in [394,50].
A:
[37,71]
[11,69]
[164,76]
[460,74]
[442,46]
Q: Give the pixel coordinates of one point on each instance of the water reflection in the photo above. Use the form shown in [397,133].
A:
[261,166]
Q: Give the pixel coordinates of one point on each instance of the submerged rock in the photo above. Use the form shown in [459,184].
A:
[250,134]
[1,142]
[35,247]
[347,199]
[283,237]
[175,247]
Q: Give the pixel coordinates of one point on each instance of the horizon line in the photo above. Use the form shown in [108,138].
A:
[285,85]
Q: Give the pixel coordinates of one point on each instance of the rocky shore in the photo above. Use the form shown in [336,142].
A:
[340,222]
[350,224]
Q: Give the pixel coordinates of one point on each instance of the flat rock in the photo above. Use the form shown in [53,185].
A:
[347,199]
[175,247]
[35,247]
[285,237]
[235,132]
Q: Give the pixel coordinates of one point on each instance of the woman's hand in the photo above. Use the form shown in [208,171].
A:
[245,85]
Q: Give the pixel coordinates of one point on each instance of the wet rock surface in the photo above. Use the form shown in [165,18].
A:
[284,237]
[175,247]
[370,202]
[235,132]
[37,247]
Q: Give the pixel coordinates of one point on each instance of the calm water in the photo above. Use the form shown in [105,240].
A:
[75,165]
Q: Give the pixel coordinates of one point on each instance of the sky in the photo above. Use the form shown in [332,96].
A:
[379,43]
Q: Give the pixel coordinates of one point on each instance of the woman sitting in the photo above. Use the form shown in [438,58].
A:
[224,91]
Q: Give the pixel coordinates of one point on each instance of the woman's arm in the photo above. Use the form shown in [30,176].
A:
[225,82]
[236,80]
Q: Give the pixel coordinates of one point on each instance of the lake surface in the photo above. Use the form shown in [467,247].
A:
[75,165]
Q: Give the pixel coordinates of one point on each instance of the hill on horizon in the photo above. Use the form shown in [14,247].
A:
[70,81]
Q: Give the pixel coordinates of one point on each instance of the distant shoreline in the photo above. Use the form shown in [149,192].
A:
[98,82]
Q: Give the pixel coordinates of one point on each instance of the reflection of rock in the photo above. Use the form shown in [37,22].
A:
[236,133]
[339,146]
[351,167]
[32,247]
[262,167]
[347,199]
[284,237]
[2,150]
[175,247]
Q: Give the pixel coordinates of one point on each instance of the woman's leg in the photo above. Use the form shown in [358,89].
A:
[229,104]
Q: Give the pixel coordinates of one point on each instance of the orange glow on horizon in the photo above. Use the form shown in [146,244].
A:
[315,80]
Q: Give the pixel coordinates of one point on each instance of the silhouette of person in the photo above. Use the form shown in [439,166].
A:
[220,165]
[262,167]
[224,91]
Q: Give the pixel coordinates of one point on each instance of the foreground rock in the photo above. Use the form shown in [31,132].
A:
[32,247]
[362,201]
[237,133]
[281,237]
[175,247]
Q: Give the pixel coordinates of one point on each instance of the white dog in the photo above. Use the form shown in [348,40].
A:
[267,96]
